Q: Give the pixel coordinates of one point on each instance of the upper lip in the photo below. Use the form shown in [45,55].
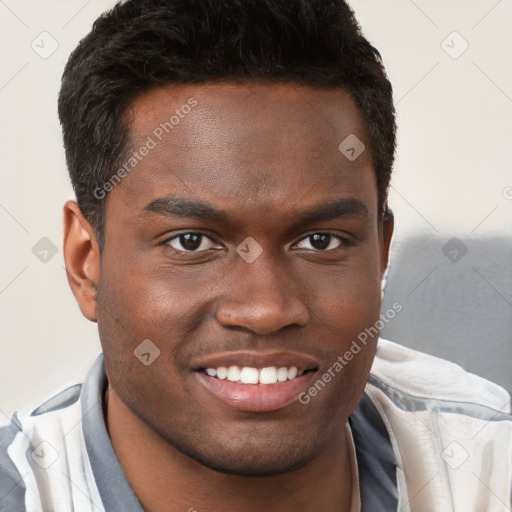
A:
[257,360]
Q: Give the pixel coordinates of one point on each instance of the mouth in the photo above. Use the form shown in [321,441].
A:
[256,389]
[250,381]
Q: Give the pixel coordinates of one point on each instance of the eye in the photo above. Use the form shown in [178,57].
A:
[322,242]
[191,242]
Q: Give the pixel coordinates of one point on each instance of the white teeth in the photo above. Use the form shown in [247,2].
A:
[292,373]
[248,375]
[268,375]
[233,373]
[282,374]
[222,372]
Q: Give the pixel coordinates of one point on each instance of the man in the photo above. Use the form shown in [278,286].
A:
[231,162]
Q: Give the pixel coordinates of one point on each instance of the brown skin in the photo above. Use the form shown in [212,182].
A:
[258,153]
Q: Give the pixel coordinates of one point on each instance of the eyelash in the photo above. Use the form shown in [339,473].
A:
[344,241]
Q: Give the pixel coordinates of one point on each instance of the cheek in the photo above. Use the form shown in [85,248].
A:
[139,300]
[347,298]
[142,326]
[346,309]
[147,296]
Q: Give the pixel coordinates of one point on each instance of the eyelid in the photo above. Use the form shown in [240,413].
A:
[344,240]
[189,232]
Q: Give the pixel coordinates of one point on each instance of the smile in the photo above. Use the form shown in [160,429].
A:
[256,396]
[248,375]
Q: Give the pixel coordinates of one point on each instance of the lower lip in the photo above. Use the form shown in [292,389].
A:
[256,397]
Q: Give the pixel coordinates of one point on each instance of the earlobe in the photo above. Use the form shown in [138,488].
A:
[82,259]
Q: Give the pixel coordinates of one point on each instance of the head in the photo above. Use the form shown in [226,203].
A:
[190,126]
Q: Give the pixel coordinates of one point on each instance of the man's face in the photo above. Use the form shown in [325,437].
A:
[254,161]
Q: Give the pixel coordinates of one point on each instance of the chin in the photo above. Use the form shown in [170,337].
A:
[249,464]
[248,456]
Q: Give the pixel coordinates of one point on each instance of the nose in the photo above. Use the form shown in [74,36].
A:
[261,298]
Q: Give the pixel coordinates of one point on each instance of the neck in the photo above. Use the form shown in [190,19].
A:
[160,475]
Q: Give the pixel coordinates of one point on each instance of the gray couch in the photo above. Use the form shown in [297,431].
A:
[456,294]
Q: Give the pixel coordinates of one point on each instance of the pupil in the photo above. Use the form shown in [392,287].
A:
[320,241]
[190,241]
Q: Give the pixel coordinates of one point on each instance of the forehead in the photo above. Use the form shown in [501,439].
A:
[220,110]
[239,143]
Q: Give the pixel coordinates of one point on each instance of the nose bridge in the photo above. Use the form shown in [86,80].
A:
[259,297]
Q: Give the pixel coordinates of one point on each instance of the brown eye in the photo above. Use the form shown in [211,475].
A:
[191,242]
[321,242]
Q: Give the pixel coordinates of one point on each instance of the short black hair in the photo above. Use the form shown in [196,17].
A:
[142,44]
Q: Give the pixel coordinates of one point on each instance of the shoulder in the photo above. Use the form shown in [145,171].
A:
[400,370]
[450,430]
[27,422]
[34,446]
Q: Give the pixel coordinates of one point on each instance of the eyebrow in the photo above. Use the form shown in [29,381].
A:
[185,207]
[344,207]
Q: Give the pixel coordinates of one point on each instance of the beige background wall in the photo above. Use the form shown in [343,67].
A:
[453,172]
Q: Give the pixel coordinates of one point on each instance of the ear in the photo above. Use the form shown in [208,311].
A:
[82,259]
[386,234]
